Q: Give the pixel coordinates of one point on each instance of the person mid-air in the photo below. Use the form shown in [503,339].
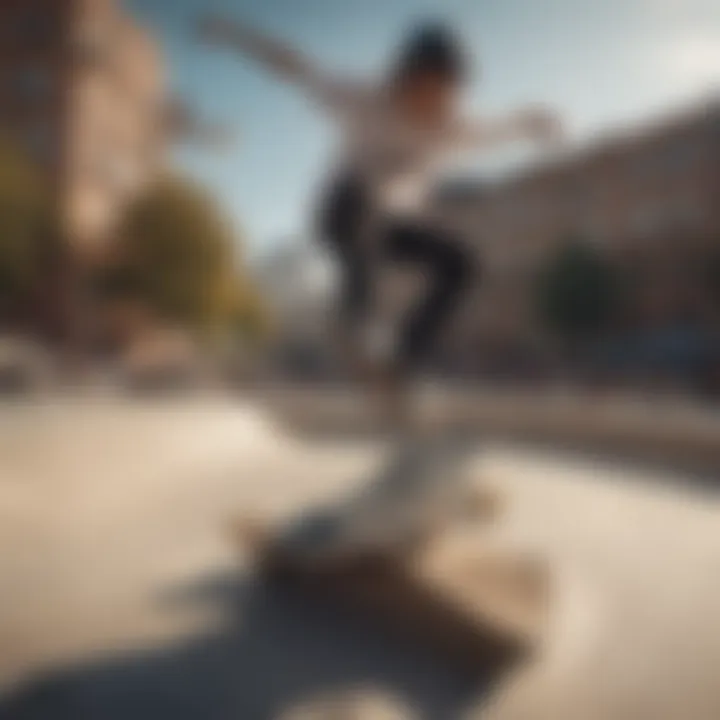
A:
[398,135]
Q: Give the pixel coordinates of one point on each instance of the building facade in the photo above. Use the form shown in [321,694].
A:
[649,199]
[82,90]
[82,93]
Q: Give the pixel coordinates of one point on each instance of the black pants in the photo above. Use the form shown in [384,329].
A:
[449,268]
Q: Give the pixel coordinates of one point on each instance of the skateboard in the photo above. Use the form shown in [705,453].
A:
[408,549]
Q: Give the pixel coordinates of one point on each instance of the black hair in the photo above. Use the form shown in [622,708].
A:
[432,47]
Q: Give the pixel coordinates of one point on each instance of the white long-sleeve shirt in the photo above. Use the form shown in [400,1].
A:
[399,161]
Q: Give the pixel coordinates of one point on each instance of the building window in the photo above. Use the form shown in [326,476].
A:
[646,221]
[91,46]
[30,26]
[681,155]
[41,142]
[581,197]
[689,214]
[31,84]
[593,230]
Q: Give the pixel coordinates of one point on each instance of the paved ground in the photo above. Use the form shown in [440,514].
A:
[660,428]
[121,594]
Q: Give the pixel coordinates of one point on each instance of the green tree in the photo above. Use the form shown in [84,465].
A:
[25,232]
[577,291]
[250,317]
[178,254]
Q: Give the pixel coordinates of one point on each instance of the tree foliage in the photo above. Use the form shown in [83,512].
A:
[178,255]
[577,291]
[25,230]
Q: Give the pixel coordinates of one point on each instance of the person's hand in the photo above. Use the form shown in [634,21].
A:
[541,125]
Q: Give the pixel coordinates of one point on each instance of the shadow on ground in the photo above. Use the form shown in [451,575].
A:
[279,647]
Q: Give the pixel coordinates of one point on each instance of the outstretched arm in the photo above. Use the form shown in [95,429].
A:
[274,55]
[535,124]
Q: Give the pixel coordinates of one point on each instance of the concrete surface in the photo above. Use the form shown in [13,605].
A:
[122,594]
[657,428]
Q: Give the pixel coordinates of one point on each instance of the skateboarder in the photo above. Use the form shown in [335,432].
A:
[376,208]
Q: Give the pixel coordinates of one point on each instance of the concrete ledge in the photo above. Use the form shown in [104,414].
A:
[654,429]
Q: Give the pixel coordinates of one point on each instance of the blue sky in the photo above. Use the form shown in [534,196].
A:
[600,62]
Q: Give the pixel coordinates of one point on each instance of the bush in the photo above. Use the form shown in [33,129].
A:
[577,292]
